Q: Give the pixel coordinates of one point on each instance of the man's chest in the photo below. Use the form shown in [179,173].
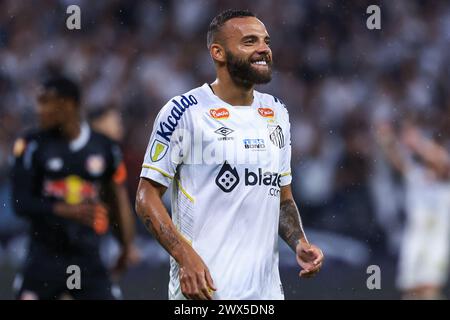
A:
[71,176]
[242,136]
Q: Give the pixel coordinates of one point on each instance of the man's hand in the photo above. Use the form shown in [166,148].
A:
[94,215]
[195,279]
[309,257]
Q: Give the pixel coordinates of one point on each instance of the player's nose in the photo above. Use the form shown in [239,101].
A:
[263,49]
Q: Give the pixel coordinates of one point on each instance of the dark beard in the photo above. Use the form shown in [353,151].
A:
[242,72]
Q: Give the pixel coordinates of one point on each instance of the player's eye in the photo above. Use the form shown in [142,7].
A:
[250,41]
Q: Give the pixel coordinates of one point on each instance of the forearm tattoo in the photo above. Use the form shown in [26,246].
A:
[164,235]
[290,225]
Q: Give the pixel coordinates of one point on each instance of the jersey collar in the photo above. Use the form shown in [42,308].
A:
[211,94]
[82,139]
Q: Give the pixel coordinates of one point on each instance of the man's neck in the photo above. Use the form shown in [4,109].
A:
[232,93]
[71,129]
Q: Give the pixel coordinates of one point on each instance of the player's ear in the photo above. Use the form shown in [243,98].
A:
[217,52]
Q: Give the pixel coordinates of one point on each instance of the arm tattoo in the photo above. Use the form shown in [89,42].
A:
[165,236]
[290,226]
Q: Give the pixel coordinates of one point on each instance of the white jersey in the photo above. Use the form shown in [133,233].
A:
[225,165]
[428,222]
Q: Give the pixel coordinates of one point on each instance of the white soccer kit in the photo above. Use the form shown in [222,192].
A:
[424,254]
[225,165]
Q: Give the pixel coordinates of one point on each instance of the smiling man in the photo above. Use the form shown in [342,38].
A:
[224,150]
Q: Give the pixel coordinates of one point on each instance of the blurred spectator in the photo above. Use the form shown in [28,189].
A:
[425,167]
[107,120]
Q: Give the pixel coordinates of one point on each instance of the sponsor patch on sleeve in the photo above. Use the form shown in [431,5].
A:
[158,150]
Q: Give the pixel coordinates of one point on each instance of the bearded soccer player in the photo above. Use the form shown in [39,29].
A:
[224,149]
[68,181]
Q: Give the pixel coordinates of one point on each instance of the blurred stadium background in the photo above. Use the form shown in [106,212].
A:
[337,78]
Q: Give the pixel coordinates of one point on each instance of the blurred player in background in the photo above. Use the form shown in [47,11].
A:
[107,120]
[227,213]
[425,167]
[68,181]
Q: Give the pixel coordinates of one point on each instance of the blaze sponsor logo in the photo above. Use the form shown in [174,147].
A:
[270,179]
[228,178]
[167,126]
[220,113]
[72,189]
[267,178]
[266,112]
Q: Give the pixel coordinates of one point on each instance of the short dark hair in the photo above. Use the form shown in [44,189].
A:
[63,87]
[220,20]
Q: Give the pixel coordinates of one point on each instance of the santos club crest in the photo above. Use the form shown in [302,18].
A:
[276,136]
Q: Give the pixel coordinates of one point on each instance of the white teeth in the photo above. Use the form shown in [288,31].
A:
[260,62]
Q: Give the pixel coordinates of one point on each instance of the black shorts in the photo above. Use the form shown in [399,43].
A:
[47,277]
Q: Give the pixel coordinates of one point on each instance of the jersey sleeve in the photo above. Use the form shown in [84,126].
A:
[285,172]
[119,170]
[24,176]
[167,145]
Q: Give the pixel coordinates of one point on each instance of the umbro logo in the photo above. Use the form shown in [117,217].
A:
[224,132]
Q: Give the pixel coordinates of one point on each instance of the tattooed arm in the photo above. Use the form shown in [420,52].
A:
[290,226]
[309,257]
[195,278]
